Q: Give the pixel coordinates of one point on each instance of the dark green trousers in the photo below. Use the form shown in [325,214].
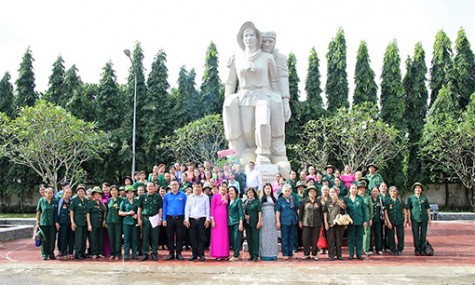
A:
[80,238]
[366,238]
[355,236]
[130,240]
[150,237]
[47,245]
[419,233]
[235,236]
[396,231]
[252,236]
[376,236]
[65,239]
[97,239]
[115,238]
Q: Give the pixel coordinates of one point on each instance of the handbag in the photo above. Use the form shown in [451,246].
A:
[342,219]
[322,240]
[429,250]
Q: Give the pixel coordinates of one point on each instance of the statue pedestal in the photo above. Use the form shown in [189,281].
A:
[268,172]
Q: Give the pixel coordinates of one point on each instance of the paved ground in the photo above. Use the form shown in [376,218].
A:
[454,263]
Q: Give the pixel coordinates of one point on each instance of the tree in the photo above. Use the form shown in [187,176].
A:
[187,98]
[365,84]
[108,100]
[464,69]
[392,110]
[312,108]
[292,127]
[6,96]
[73,87]
[157,106]
[416,96]
[26,95]
[337,81]
[212,90]
[55,93]
[441,64]
[49,140]
[197,141]
[82,103]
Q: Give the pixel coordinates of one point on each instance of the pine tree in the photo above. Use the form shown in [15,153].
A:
[337,81]
[365,85]
[416,96]
[464,67]
[157,106]
[211,88]
[6,96]
[55,93]
[392,110]
[26,95]
[293,125]
[441,64]
[72,86]
[312,108]
[108,100]
[188,100]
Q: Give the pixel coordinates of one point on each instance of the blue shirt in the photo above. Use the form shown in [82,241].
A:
[173,204]
[288,210]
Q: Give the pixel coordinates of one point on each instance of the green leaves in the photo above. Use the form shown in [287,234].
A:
[365,84]
[337,80]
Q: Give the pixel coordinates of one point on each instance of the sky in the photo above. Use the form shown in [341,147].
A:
[89,33]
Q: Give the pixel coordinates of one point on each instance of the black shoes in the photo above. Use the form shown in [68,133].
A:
[193,257]
[202,258]
[170,257]
[154,257]
[179,256]
[144,257]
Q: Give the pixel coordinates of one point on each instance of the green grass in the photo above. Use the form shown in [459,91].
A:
[3,216]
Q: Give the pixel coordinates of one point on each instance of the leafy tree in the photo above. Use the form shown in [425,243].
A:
[157,106]
[55,93]
[464,69]
[416,108]
[47,139]
[108,100]
[72,85]
[441,64]
[26,95]
[82,103]
[6,95]
[197,141]
[292,127]
[188,99]
[337,81]
[211,89]
[365,84]
[392,110]
[312,108]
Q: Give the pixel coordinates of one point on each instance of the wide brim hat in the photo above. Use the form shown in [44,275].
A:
[244,27]
[417,184]
[311,188]
[373,165]
[300,184]
[325,178]
[81,186]
[361,183]
[130,188]
[207,185]
[97,189]
[330,166]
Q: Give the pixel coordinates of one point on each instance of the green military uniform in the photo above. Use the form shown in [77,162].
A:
[79,208]
[418,207]
[185,185]
[150,205]
[357,210]
[96,211]
[367,231]
[343,191]
[373,181]
[66,234]
[335,232]
[395,211]
[311,217]
[48,220]
[378,221]
[114,226]
[252,209]
[292,183]
[129,227]
[235,217]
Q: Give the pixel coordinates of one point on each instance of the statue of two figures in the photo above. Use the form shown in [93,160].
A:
[255,112]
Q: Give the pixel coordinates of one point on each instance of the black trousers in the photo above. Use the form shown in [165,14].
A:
[309,239]
[175,233]
[66,239]
[334,239]
[197,236]
[376,236]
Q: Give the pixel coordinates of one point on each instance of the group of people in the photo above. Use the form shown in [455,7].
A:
[219,208]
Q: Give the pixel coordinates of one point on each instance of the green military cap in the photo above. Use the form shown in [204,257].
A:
[373,165]
[325,178]
[310,188]
[365,180]
[417,184]
[81,186]
[300,184]
[361,183]
[96,189]
[330,166]
[207,185]
[121,188]
[136,185]
[129,188]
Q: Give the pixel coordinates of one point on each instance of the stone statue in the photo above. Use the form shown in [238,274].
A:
[254,114]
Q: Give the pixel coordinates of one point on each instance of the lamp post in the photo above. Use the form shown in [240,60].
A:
[127,53]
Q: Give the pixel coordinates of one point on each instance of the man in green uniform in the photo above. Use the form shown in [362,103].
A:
[395,216]
[149,205]
[128,210]
[369,212]
[78,221]
[418,211]
[374,179]
[329,169]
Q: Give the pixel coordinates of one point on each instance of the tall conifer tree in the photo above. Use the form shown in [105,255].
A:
[25,84]
[312,108]
[365,83]
[6,96]
[464,69]
[441,64]
[55,93]
[337,79]
[211,88]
